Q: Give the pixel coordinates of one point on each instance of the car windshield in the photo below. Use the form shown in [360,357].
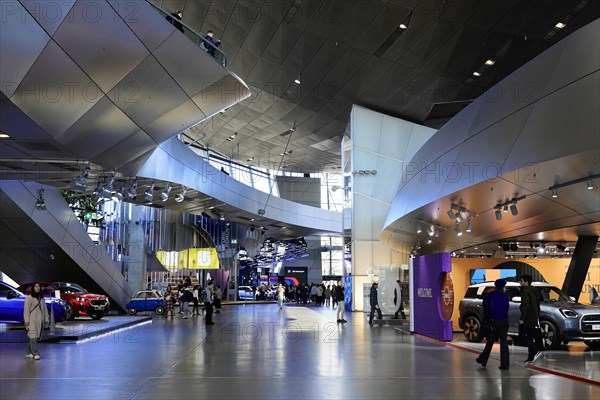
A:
[550,294]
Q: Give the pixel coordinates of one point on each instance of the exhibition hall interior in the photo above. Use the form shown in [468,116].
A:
[299,199]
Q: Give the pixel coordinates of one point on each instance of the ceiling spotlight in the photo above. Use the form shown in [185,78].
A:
[513,209]
[458,231]
[132,192]
[118,196]
[297,81]
[419,230]
[490,62]
[429,241]
[561,247]
[505,246]
[431,230]
[149,194]
[514,247]
[40,203]
[498,215]
[469,227]
[476,73]
[106,192]
[590,185]
[459,217]
[436,233]
[165,193]
[79,183]
[554,193]
[451,214]
[181,196]
[505,209]
[560,25]
[222,217]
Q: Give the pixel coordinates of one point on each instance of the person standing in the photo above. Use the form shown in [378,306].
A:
[530,315]
[173,18]
[195,294]
[35,315]
[185,299]
[339,297]
[215,43]
[327,295]
[169,300]
[374,303]
[280,295]
[208,302]
[495,306]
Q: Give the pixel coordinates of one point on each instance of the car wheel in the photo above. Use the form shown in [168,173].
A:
[472,329]
[131,311]
[550,337]
[69,312]
[159,310]
[593,344]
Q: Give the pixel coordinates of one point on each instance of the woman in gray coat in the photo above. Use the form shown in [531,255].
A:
[36,318]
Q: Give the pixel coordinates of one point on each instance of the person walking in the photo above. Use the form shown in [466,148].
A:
[173,19]
[495,308]
[398,298]
[530,315]
[339,297]
[35,315]
[280,295]
[208,303]
[374,303]
[327,295]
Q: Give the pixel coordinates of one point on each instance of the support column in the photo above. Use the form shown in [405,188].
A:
[138,259]
[580,264]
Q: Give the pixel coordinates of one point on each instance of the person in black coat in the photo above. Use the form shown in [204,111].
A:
[174,17]
[210,39]
[374,303]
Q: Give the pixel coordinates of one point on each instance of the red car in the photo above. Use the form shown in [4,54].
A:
[79,301]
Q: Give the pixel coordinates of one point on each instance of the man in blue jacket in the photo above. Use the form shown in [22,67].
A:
[495,306]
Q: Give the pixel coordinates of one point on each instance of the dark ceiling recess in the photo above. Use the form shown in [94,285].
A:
[572,14]
[395,35]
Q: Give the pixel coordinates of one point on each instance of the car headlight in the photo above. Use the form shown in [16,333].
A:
[569,313]
[79,299]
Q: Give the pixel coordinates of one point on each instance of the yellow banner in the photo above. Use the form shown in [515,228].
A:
[194,258]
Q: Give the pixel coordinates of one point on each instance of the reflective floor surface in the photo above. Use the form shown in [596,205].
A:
[261,352]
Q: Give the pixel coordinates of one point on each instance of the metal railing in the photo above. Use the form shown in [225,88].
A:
[194,36]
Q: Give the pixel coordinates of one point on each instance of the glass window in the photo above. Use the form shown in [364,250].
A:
[471,293]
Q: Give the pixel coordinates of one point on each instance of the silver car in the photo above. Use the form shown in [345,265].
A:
[562,319]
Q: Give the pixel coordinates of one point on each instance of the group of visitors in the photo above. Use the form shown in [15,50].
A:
[184,294]
[495,306]
[210,44]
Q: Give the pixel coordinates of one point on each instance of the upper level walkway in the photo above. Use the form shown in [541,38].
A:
[261,352]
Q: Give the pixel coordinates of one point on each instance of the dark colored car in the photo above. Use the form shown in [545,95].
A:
[12,302]
[146,300]
[562,319]
[80,302]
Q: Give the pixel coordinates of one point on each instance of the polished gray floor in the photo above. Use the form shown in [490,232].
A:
[261,352]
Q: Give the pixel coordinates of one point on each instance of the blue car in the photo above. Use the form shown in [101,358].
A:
[12,302]
[146,300]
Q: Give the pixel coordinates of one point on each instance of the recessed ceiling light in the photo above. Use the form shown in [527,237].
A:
[476,73]
[250,159]
[4,136]
[490,62]
[560,25]
[297,81]
[403,26]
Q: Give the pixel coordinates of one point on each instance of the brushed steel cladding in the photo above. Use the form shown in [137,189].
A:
[49,14]
[55,93]
[100,43]
[22,42]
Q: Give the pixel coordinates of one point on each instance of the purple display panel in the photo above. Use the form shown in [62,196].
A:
[428,274]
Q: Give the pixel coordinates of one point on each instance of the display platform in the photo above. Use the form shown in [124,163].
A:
[73,331]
